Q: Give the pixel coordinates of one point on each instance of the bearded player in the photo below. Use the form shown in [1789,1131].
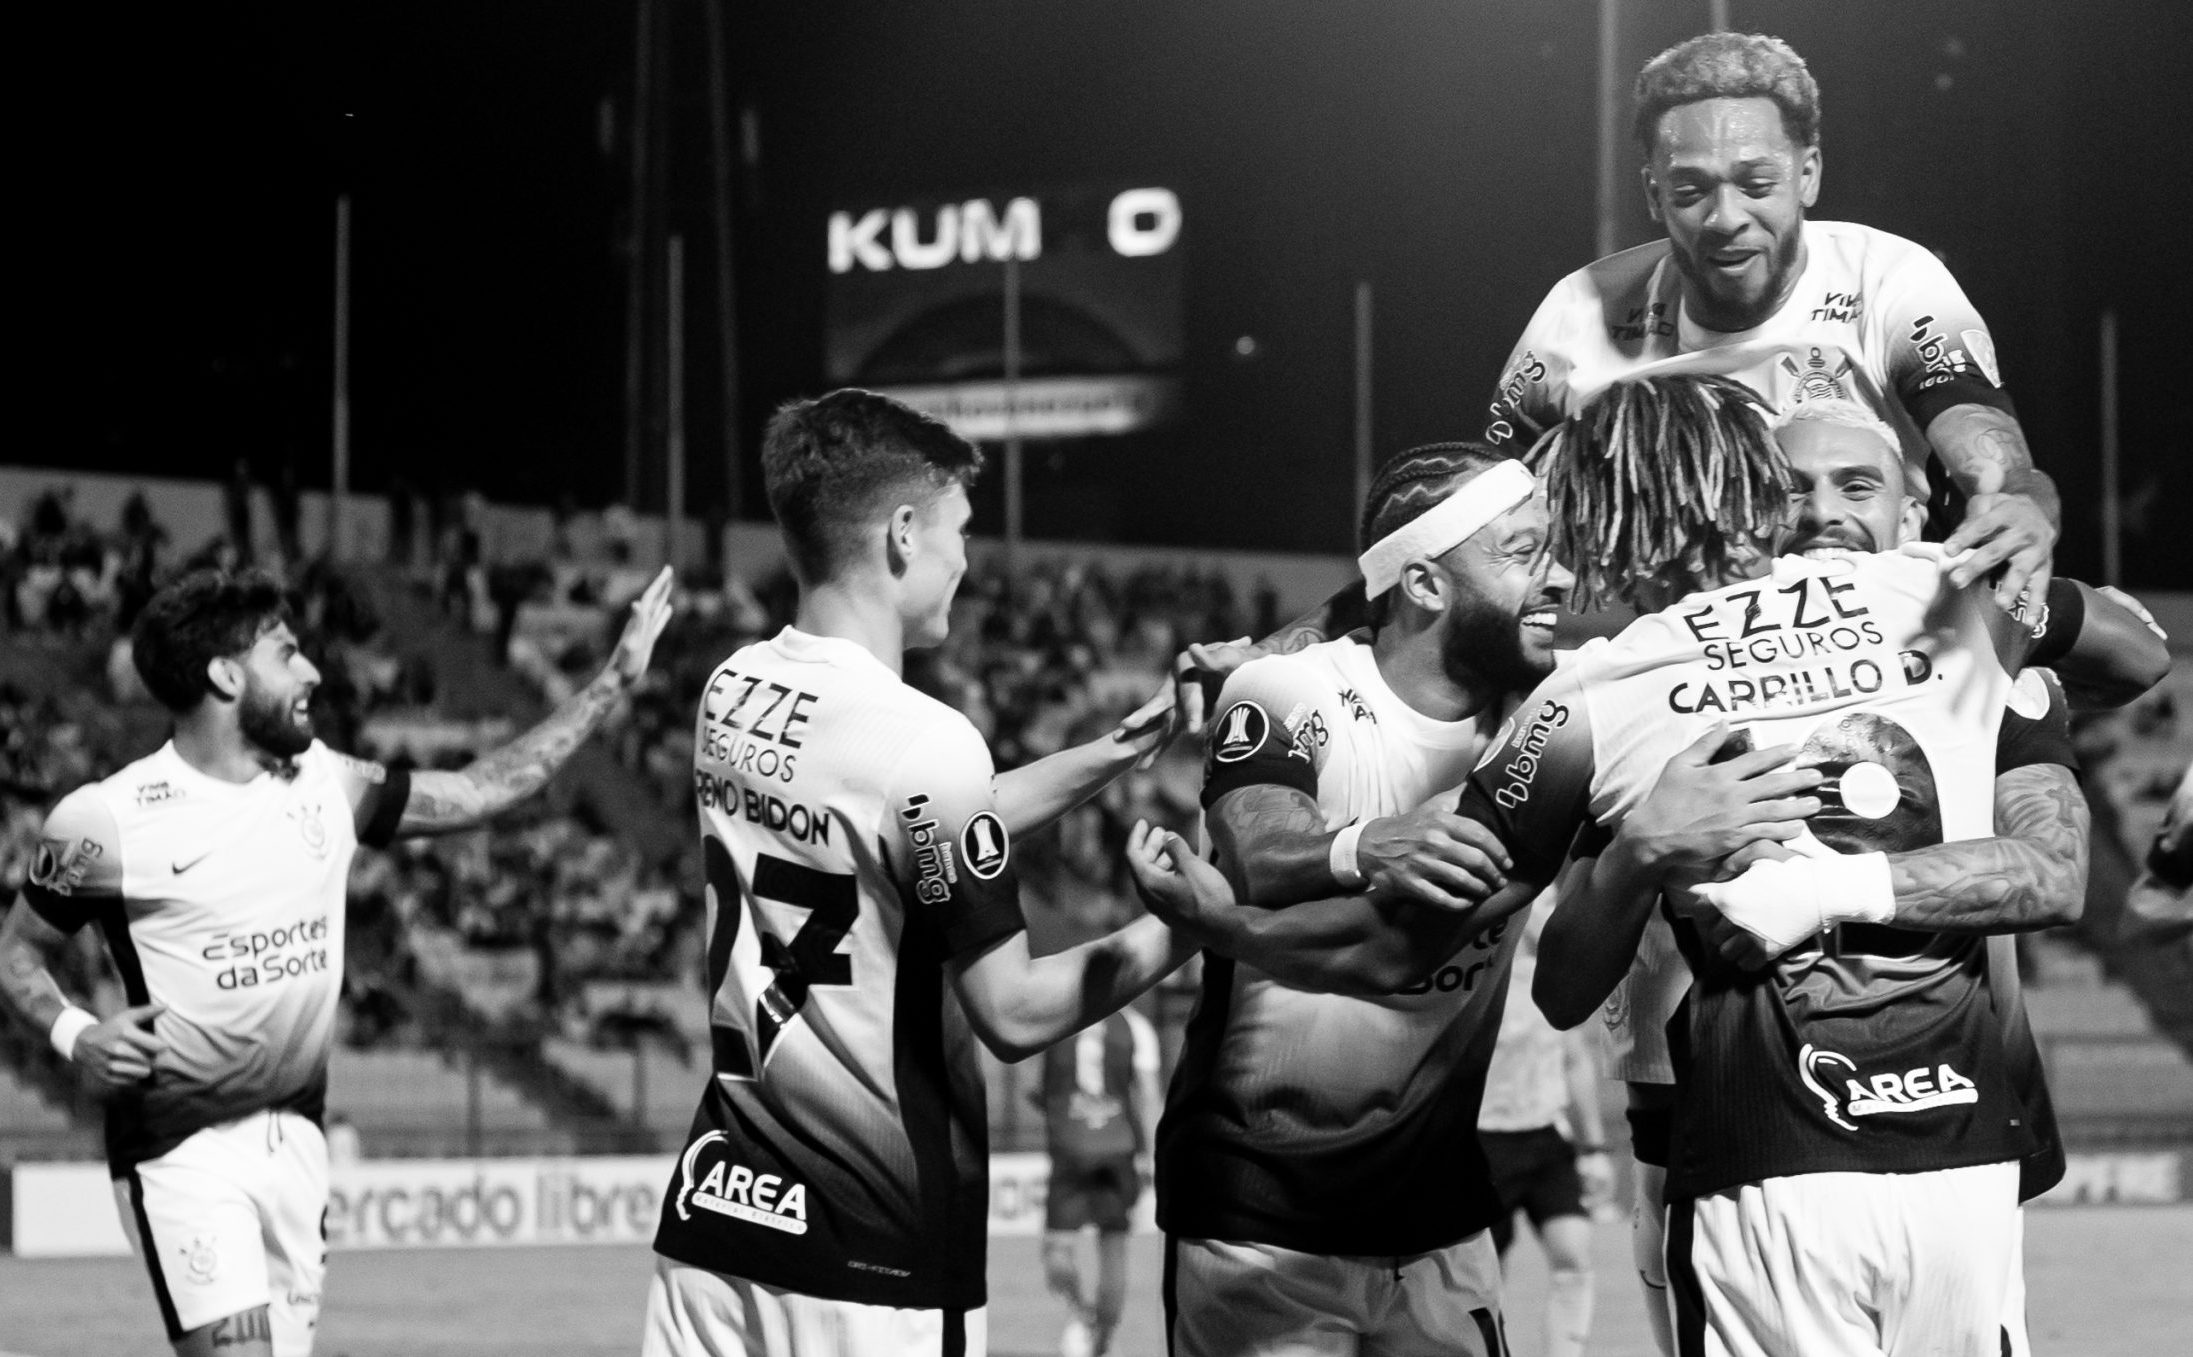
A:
[864,928]
[215,870]
[1319,1181]
[1848,1137]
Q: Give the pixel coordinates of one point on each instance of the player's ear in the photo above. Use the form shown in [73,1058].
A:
[1424,586]
[1911,521]
[1808,176]
[898,539]
[1652,191]
[225,675]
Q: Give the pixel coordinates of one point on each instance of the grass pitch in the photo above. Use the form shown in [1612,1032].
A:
[2104,1282]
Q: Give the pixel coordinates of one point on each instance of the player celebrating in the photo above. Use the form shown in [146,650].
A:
[1101,1096]
[1745,286]
[1892,681]
[1318,1176]
[215,868]
[865,928]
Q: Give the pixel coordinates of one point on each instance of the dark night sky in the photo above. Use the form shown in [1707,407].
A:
[181,227]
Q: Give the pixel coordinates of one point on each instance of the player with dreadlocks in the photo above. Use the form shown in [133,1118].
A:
[1318,1171]
[1846,1140]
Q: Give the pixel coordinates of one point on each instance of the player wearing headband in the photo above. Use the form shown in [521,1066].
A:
[1318,1175]
[1848,1132]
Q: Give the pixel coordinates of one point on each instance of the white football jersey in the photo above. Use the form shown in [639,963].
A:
[223,903]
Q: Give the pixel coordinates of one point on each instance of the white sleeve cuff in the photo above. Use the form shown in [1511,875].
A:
[1342,858]
[67,1028]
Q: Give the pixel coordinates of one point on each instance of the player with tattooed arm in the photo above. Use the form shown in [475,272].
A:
[215,871]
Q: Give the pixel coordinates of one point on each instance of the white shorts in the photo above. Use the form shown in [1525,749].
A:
[1848,1265]
[692,1312]
[230,1220]
[1257,1300]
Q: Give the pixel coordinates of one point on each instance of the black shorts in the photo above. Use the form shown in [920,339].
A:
[1097,1192]
[1534,1172]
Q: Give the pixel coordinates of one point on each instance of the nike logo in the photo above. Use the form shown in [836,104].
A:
[182,867]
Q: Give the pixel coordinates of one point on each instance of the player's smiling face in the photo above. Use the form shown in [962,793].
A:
[1511,592]
[274,707]
[1850,491]
[1731,189]
[935,565]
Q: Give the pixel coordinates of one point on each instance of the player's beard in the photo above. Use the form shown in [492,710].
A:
[269,723]
[1482,642]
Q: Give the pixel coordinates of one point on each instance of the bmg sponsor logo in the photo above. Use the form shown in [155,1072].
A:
[1522,768]
[734,1190]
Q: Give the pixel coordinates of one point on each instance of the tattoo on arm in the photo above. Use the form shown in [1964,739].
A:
[2031,875]
[445,802]
[27,944]
[1986,453]
[1272,844]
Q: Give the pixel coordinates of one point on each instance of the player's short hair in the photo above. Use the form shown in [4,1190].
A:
[1847,414]
[1660,481]
[198,618]
[1728,66]
[831,465]
[1409,484]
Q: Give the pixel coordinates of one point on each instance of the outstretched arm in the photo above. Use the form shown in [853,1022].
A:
[1037,794]
[1199,670]
[2111,649]
[446,802]
[1020,1004]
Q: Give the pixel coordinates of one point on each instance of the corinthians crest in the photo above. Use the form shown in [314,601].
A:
[306,816]
[1816,377]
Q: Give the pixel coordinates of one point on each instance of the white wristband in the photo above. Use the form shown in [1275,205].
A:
[1342,859]
[1855,888]
[67,1028]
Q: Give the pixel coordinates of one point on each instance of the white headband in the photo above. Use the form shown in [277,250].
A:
[1446,525]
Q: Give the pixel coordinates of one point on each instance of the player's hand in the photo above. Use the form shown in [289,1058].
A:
[2134,607]
[1175,884]
[1432,856]
[1199,672]
[2008,530]
[1743,950]
[1149,728]
[650,613]
[1700,811]
[118,1053]
[1595,1169]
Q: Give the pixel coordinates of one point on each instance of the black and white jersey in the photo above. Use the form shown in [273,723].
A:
[1322,1122]
[851,851]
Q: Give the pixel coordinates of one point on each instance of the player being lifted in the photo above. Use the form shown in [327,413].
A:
[1319,1181]
[865,928]
[1852,1101]
[215,869]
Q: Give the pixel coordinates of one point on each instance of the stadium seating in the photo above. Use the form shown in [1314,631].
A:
[421,1102]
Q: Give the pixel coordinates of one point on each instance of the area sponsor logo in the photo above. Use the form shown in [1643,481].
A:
[984,846]
[735,1190]
[1242,730]
[1919,1089]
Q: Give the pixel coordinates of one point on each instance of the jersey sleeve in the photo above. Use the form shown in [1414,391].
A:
[2036,726]
[1271,730]
[1534,789]
[1939,351]
[946,845]
[378,795]
[1528,400]
[77,866]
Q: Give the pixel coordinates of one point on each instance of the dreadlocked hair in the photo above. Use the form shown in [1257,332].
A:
[1409,484]
[1660,481]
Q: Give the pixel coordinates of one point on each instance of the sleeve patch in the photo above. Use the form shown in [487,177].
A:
[365,770]
[1242,730]
[59,865]
[984,846]
[1511,783]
